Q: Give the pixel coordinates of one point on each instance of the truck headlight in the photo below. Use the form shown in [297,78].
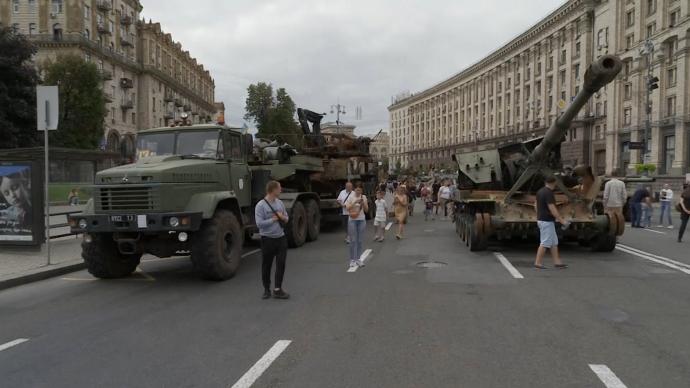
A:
[174,222]
[83,224]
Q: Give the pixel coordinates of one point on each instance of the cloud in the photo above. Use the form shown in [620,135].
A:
[357,52]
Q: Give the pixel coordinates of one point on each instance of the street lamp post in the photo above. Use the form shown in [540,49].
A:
[652,83]
[338,110]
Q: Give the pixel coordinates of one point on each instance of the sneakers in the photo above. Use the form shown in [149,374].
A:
[347,240]
[353,263]
[360,263]
[266,295]
[280,294]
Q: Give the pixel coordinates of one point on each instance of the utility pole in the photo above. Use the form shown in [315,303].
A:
[652,83]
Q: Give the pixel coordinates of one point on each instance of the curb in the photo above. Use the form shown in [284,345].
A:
[41,274]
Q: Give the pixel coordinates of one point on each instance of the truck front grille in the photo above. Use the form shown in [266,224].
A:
[131,198]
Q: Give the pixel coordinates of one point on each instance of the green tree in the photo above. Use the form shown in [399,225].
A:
[18,78]
[82,103]
[273,114]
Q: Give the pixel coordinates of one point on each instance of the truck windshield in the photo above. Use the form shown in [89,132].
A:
[202,144]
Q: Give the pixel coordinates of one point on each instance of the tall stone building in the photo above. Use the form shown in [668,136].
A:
[380,146]
[148,80]
[517,91]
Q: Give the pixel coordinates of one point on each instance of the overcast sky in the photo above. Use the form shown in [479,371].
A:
[359,51]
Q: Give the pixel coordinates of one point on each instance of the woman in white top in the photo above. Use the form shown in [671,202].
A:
[357,207]
[444,197]
[381,216]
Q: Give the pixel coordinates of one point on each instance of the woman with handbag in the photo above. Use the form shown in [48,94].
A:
[271,218]
[400,203]
[357,206]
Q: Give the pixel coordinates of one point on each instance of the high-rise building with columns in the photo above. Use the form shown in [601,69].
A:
[517,91]
[148,79]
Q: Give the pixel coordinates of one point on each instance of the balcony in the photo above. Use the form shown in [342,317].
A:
[127,103]
[178,102]
[126,20]
[106,75]
[168,97]
[126,83]
[127,41]
[104,5]
[104,28]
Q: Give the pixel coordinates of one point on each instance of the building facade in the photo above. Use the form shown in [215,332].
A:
[380,146]
[517,91]
[148,80]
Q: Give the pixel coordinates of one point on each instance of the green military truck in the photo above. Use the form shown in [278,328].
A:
[192,191]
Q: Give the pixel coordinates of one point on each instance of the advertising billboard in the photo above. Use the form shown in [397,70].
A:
[20,207]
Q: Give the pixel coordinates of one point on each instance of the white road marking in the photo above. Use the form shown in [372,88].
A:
[251,253]
[388,227]
[80,279]
[363,257]
[260,367]
[607,376]
[164,259]
[10,344]
[683,267]
[653,231]
[145,275]
[516,274]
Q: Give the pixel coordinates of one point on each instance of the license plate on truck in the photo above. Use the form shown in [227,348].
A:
[129,218]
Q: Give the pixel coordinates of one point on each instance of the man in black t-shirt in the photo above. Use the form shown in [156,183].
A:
[547,215]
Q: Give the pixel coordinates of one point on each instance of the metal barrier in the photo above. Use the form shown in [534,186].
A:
[63,225]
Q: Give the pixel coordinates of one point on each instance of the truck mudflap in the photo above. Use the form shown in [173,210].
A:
[140,223]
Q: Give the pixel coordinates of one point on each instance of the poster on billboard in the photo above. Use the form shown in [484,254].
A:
[19,204]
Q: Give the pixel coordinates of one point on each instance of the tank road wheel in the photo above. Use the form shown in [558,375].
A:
[313,220]
[616,224]
[104,260]
[296,229]
[603,242]
[217,246]
[477,237]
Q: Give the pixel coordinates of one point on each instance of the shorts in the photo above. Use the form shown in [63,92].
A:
[547,234]
[380,222]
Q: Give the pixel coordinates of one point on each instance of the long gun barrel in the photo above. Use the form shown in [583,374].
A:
[599,73]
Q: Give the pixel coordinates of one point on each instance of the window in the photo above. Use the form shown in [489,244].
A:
[605,108]
[15,27]
[577,49]
[651,29]
[674,17]
[651,7]
[561,77]
[15,6]
[134,118]
[597,109]
[627,91]
[600,37]
[87,12]
[671,77]
[562,60]
[627,116]
[629,41]
[32,28]
[57,6]
[32,5]
[124,116]
[87,34]
[576,71]
[670,151]
[549,82]
[153,104]
[671,106]
[630,18]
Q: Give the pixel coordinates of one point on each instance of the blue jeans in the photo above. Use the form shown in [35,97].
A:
[665,208]
[636,209]
[356,229]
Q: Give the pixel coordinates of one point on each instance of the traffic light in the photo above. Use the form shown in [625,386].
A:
[653,83]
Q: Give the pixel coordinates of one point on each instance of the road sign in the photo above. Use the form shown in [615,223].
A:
[636,145]
[47,110]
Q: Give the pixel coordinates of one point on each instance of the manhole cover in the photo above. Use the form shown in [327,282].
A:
[431,264]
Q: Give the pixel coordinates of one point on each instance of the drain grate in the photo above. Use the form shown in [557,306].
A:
[431,264]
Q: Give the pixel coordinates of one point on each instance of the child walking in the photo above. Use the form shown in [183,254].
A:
[381,216]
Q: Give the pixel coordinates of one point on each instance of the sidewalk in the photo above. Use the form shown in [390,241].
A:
[21,265]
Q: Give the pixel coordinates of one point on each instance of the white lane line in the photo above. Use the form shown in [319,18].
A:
[607,376]
[653,231]
[388,227]
[145,275]
[516,274]
[251,253]
[663,261]
[678,263]
[10,344]
[363,257]
[260,367]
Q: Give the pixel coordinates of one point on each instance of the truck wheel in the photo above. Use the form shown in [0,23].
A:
[296,229]
[103,259]
[313,220]
[217,246]
[603,242]
[477,238]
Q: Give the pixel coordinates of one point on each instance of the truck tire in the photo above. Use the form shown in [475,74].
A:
[603,242]
[217,246]
[296,229]
[103,259]
[313,220]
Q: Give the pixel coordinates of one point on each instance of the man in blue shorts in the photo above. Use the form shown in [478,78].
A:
[547,215]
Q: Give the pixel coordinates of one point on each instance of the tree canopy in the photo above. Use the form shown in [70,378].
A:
[18,78]
[273,113]
[82,103]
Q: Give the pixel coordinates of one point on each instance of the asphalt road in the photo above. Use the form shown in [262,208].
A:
[470,322]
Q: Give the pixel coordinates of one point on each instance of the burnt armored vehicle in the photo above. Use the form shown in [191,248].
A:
[497,188]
